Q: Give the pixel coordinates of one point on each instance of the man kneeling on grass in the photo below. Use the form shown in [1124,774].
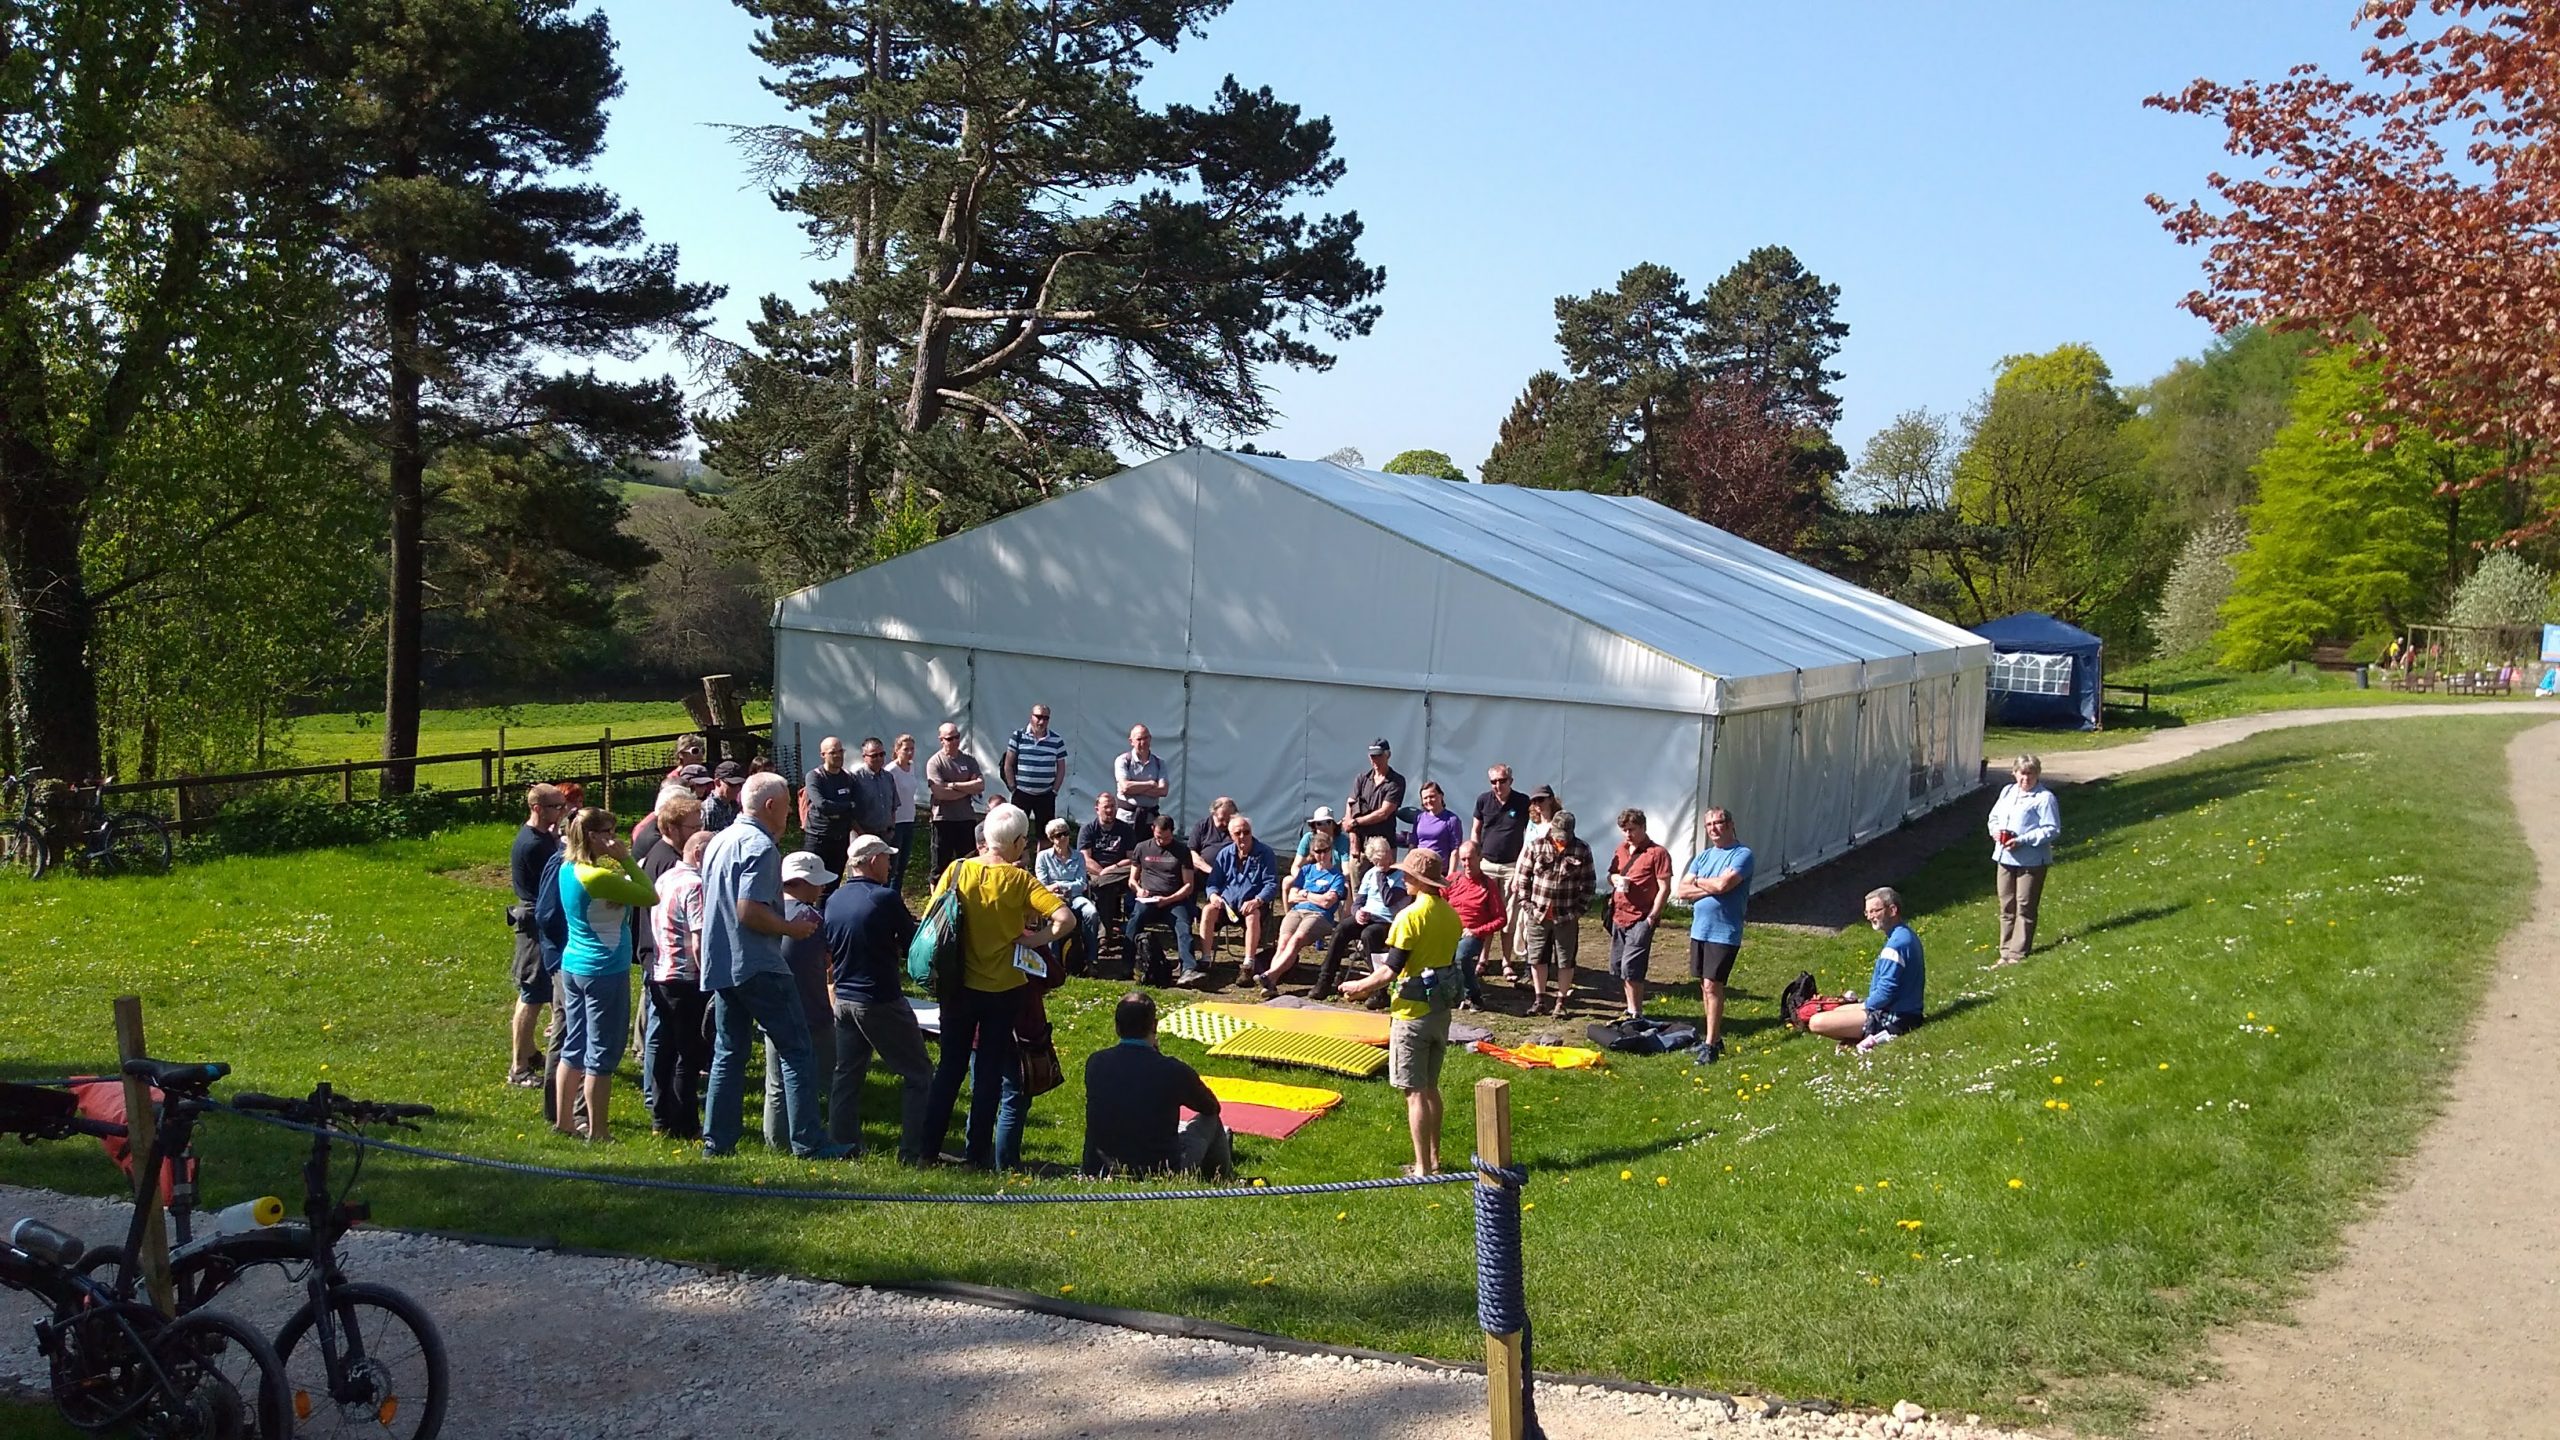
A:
[1133,1099]
[1422,964]
[1893,1000]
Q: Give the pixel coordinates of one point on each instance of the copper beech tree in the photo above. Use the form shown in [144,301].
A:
[2413,214]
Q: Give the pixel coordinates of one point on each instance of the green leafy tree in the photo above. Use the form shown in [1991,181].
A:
[440,141]
[1557,437]
[1042,265]
[2203,424]
[2047,463]
[1907,465]
[1425,462]
[2344,540]
[2506,593]
[1629,347]
[1772,323]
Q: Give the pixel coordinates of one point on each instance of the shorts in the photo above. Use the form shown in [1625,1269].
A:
[1888,1022]
[528,970]
[595,1020]
[1631,950]
[1712,959]
[1415,1049]
[1544,944]
[1319,925]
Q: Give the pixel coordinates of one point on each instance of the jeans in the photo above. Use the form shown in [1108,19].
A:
[822,1069]
[1182,915]
[679,1053]
[1470,947]
[1088,932]
[978,1045]
[887,1029]
[769,1002]
[903,839]
[645,1017]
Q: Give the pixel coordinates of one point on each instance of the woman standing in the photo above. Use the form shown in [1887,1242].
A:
[599,888]
[904,810]
[1436,828]
[1005,913]
[2024,823]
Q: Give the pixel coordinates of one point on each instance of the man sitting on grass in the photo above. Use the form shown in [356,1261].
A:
[1422,964]
[1133,1099]
[1893,1000]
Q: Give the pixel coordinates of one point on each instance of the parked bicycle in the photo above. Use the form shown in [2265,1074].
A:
[113,1361]
[358,1358]
[106,841]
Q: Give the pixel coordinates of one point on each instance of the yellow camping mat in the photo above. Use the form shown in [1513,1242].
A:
[1265,1092]
[1316,1052]
[1563,1057]
[1367,1027]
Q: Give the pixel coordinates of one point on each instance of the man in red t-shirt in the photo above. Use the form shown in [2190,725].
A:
[1639,883]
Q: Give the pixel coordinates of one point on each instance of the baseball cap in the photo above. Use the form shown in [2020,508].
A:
[1380,747]
[695,776]
[730,770]
[866,846]
[1543,792]
[804,865]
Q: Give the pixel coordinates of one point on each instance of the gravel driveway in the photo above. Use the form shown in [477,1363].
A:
[564,1347]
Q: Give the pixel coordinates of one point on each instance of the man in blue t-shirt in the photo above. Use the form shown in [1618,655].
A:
[1717,885]
[1894,994]
[537,842]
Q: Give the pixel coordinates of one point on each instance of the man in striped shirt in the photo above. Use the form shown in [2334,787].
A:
[1035,768]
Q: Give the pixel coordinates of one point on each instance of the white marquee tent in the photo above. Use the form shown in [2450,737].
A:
[1267,618]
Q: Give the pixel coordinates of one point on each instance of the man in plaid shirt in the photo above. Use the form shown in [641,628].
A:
[1557,880]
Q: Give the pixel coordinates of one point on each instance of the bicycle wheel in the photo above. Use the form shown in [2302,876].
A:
[96,1361]
[21,849]
[390,1363]
[136,842]
[224,1383]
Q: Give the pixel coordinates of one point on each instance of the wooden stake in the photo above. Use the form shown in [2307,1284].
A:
[140,1132]
[604,768]
[1502,1369]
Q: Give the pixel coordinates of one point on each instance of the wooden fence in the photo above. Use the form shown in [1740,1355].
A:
[193,801]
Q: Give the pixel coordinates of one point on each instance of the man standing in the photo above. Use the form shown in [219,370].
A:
[721,808]
[1422,965]
[826,806]
[1501,824]
[805,883]
[1718,885]
[677,819]
[955,780]
[1370,813]
[536,842]
[1134,1095]
[1893,1003]
[1106,842]
[1243,882]
[1138,781]
[875,793]
[1639,886]
[1556,882]
[750,982]
[1162,883]
[867,930]
[1035,768]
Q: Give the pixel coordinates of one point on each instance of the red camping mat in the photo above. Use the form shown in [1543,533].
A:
[1268,1121]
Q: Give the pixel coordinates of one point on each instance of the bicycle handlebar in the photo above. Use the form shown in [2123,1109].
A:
[311,1110]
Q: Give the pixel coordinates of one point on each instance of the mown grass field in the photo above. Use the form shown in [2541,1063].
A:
[357,735]
[2036,1206]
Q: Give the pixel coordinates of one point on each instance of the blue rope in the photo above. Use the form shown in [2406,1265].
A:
[1502,1292]
[868,1197]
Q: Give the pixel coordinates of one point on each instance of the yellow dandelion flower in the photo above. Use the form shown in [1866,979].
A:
[2057,1079]
[1875,1280]
[1884,1184]
[1265,1280]
[1528,1204]
[1862,1189]
[1661,1179]
[1259,1182]
[2017,1184]
[2048,1104]
[1728,1169]
[1916,1255]
[1341,1214]
[2061,1104]
[1908,1224]
[2252,1015]
[1626,1174]
[1066,1289]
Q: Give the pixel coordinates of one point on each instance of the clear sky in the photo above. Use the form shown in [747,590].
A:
[1970,175]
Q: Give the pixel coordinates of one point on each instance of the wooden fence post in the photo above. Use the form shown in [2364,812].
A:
[140,1131]
[604,766]
[346,782]
[502,755]
[1503,1378]
[182,811]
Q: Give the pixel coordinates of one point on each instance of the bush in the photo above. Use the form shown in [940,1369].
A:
[2190,609]
[275,818]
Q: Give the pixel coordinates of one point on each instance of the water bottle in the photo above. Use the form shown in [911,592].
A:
[247,1215]
[45,1243]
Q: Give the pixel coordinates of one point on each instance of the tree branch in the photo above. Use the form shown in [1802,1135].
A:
[100,597]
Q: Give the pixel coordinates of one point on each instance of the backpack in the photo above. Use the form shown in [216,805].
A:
[936,955]
[1793,999]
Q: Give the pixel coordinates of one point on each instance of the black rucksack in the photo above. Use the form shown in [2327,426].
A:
[1795,997]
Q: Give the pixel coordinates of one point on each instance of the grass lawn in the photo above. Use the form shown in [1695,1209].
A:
[357,735]
[2189,694]
[2037,1205]
[33,1421]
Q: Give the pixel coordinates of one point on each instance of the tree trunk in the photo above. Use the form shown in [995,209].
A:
[408,463]
[45,612]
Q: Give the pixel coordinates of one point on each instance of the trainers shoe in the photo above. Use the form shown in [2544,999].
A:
[1871,1042]
[1707,1053]
[1188,978]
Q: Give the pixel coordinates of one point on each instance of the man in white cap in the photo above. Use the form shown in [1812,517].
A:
[868,928]
[805,878]
[1422,964]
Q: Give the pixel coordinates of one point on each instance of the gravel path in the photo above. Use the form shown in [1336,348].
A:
[559,1347]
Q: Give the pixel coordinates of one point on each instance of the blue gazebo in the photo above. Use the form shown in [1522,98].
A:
[2044,672]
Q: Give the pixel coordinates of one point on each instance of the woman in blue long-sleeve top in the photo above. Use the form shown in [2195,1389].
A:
[2025,821]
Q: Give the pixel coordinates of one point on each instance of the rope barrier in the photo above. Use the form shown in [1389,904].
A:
[1502,1293]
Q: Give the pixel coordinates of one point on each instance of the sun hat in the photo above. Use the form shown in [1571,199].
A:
[803,865]
[1323,816]
[1422,867]
[865,847]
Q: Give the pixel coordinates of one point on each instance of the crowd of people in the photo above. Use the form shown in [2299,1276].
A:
[1410,910]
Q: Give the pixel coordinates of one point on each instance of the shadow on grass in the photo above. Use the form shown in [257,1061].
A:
[2139,916]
